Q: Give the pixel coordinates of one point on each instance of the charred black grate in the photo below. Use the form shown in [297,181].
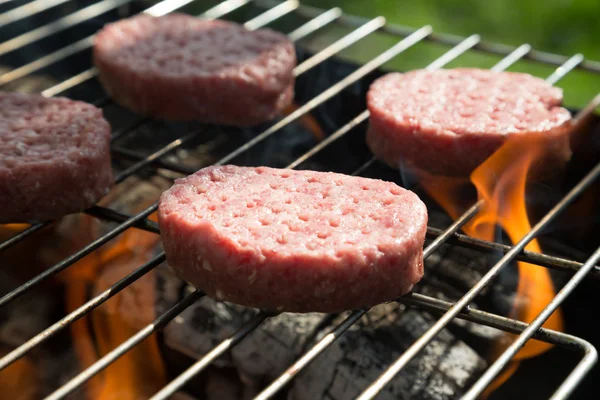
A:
[284,144]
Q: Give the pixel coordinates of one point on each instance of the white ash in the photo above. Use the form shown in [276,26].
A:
[441,371]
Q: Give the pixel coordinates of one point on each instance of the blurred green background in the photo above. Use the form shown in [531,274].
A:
[560,26]
[565,27]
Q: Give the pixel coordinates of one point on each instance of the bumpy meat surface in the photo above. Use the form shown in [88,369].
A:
[448,122]
[293,240]
[181,67]
[54,157]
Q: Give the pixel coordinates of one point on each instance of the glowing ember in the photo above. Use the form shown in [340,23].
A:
[501,182]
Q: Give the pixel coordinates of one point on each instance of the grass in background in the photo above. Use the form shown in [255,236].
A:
[559,26]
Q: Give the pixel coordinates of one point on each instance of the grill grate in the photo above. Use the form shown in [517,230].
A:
[316,20]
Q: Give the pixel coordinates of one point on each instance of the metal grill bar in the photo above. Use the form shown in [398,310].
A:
[221,348]
[590,358]
[27,10]
[309,356]
[159,163]
[61,24]
[544,260]
[154,156]
[74,81]
[588,110]
[315,24]
[116,135]
[47,60]
[412,351]
[512,58]
[271,15]
[20,236]
[536,324]
[340,45]
[165,7]
[111,215]
[460,48]
[496,321]
[565,69]
[123,348]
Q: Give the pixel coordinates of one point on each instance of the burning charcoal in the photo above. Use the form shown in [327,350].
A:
[458,267]
[441,371]
[344,369]
[268,351]
[203,325]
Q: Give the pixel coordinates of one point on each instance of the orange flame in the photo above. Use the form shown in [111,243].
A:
[501,182]
[19,381]
[15,228]
[308,121]
[140,372]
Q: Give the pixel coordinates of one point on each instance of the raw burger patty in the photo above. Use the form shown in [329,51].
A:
[54,157]
[298,241]
[186,68]
[447,122]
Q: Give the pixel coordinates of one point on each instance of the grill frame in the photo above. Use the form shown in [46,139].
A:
[318,19]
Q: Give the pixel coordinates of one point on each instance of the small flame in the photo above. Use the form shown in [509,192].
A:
[140,372]
[308,121]
[501,182]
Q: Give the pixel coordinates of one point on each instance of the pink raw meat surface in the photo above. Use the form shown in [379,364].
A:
[54,157]
[186,68]
[298,241]
[447,122]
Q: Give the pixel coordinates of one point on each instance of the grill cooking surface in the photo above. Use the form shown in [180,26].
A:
[313,20]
